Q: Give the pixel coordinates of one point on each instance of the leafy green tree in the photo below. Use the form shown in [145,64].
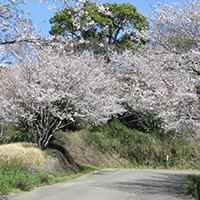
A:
[114,26]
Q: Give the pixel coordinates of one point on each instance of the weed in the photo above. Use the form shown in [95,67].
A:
[193,186]
[15,176]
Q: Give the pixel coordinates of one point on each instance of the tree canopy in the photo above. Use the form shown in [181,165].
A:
[115,26]
[164,77]
[48,85]
[51,87]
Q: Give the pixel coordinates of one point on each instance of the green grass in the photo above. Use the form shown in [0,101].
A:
[193,186]
[15,177]
[141,150]
[145,149]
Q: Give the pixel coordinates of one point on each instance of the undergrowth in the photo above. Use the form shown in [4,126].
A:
[15,177]
[141,149]
[193,186]
[145,149]
[14,133]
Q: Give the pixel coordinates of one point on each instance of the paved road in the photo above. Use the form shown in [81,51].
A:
[131,184]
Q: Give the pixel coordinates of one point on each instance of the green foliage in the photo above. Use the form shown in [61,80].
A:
[198,89]
[147,122]
[154,124]
[140,148]
[15,177]
[99,27]
[14,133]
[149,149]
[193,186]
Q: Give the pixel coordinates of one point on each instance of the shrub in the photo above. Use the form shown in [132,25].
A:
[14,133]
[193,186]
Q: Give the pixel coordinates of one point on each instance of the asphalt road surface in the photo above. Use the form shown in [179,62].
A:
[131,184]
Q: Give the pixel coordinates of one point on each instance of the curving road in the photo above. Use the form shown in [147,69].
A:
[131,184]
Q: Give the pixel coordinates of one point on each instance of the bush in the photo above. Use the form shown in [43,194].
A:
[193,186]
[14,133]
[14,176]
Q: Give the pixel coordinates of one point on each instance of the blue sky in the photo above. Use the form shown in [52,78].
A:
[40,12]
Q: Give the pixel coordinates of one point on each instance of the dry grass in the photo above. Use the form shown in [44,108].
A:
[26,153]
[85,153]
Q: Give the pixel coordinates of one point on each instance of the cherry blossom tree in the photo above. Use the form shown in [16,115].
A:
[49,86]
[150,87]
[177,29]
[163,75]
[46,85]
[17,27]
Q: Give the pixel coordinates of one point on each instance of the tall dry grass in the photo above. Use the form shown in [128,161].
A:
[22,153]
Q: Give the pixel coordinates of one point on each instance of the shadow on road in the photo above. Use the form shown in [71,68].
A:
[3,198]
[162,184]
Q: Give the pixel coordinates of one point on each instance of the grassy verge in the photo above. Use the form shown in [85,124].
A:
[24,166]
[193,186]
[16,178]
[113,145]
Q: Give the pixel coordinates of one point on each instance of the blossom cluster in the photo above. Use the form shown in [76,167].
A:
[164,73]
[47,85]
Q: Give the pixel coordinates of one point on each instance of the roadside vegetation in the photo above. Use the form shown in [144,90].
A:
[146,149]
[24,166]
[114,145]
[17,178]
[193,186]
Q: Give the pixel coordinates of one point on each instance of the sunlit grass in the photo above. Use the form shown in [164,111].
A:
[22,152]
